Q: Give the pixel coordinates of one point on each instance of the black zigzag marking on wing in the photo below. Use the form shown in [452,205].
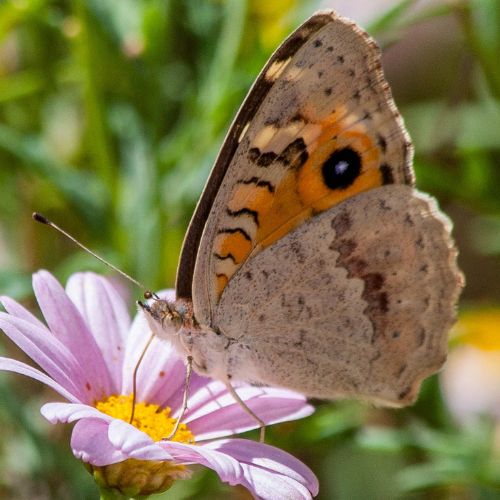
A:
[237,230]
[259,182]
[261,159]
[244,211]
[228,256]
[295,153]
[387,175]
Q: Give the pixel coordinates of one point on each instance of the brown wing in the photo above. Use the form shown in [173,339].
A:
[326,129]
[356,302]
[248,110]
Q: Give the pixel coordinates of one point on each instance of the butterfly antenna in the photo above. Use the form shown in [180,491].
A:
[40,218]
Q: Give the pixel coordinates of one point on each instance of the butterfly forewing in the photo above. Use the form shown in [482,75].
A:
[245,115]
[325,130]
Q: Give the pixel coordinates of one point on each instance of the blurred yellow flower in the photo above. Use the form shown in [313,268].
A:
[270,16]
[270,20]
[471,377]
[480,328]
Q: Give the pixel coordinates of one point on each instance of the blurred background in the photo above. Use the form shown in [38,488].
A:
[111,115]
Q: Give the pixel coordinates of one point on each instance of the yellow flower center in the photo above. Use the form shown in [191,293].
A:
[150,419]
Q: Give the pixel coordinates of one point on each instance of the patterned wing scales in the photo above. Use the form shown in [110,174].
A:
[356,302]
[326,129]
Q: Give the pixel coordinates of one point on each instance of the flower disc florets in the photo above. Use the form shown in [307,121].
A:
[148,418]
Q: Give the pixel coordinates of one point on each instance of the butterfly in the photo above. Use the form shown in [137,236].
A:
[311,262]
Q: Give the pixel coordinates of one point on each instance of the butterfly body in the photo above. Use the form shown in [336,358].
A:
[312,262]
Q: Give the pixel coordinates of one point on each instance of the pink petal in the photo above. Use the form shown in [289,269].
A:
[266,479]
[228,469]
[161,373]
[201,389]
[66,323]
[167,294]
[49,353]
[164,379]
[134,443]
[267,485]
[166,387]
[11,365]
[106,315]
[220,415]
[205,396]
[267,457]
[137,338]
[102,443]
[17,310]
[64,412]
[90,443]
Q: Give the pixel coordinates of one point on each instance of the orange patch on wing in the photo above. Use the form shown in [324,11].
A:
[311,187]
[281,219]
[316,195]
[289,209]
[302,192]
[372,155]
[222,281]
[235,244]
[283,230]
[253,197]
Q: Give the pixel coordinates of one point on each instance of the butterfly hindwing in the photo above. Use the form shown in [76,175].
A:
[334,312]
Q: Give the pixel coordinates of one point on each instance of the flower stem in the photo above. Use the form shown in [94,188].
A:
[111,494]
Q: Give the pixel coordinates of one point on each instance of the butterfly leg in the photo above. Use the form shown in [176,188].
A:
[184,401]
[233,393]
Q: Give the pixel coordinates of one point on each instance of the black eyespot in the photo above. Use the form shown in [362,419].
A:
[341,169]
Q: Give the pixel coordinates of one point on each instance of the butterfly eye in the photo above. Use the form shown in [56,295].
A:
[341,169]
[172,320]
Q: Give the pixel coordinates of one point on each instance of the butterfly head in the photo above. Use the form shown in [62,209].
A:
[162,318]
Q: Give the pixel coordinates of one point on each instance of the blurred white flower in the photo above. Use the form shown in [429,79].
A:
[471,376]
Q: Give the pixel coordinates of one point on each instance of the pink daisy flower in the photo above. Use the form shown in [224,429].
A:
[89,352]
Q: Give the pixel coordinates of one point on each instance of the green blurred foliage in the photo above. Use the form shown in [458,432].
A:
[111,116]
